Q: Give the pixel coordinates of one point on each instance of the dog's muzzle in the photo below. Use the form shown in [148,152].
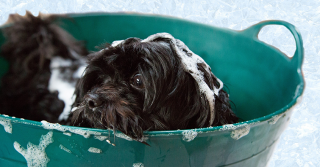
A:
[93,100]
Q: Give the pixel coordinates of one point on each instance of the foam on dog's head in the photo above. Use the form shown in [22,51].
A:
[170,71]
[190,63]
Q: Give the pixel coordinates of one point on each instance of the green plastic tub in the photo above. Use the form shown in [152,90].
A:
[263,83]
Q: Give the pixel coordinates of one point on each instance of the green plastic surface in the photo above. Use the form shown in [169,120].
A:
[263,83]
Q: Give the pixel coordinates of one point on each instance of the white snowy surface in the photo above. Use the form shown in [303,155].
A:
[299,145]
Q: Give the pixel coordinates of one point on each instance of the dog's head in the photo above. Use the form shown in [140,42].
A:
[152,84]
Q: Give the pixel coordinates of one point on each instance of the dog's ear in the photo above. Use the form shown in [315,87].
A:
[182,101]
[172,97]
[223,113]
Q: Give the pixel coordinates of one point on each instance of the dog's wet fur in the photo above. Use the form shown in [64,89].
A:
[132,87]
[138,86]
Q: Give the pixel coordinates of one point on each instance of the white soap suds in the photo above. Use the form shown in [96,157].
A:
[228,127]
[123,136]
[35,155]
[56,126]
[138,165]
[84,133]
[101,138]
[94,150]
[189,135]
[234,127]
[66,133]
[189,61]
[26,123]
[64,148]
[115,43]
[6,125]
[240,132]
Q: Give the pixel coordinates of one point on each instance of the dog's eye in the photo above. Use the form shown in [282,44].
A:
[137,82]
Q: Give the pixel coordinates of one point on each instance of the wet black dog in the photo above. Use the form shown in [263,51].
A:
[153,84]
[32,43]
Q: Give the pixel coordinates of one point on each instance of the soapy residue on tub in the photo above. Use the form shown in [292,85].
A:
[94,150]
[35,155]
[240,132]
[189,135]
[101,138]
[66,133]
[234,127]
[228,127]
[64,148]
[56,126]
[6,125]
[121,135]
[84,133]
[138,165]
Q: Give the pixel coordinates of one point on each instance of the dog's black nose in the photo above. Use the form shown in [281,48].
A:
[93,101]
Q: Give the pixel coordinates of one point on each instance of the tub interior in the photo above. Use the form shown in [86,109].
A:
[255,74]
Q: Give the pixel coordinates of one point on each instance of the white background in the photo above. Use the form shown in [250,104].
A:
[299,145]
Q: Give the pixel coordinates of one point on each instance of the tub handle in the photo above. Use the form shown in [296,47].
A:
[297,58]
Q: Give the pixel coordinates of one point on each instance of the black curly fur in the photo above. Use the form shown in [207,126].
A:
[168,99]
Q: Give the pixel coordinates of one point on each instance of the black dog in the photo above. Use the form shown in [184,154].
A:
[32,45]
[153,84]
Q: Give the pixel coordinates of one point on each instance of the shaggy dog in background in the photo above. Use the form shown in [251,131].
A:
[35,49]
